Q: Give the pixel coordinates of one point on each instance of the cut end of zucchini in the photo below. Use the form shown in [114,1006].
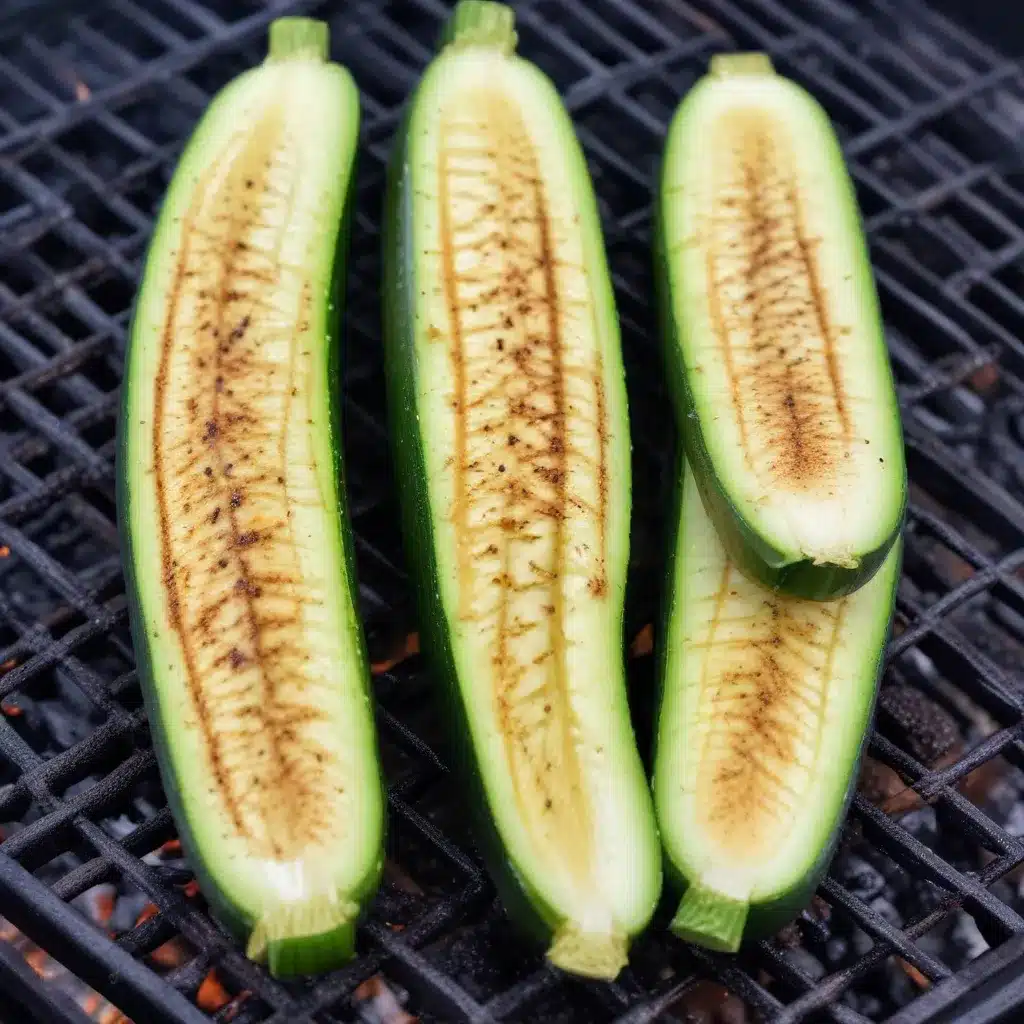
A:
[727,65]
[598,955]
[504,359]
[710,919]
[482,23]
[766,700]
[231,503]
[776,348]
[305,936]
[298,39]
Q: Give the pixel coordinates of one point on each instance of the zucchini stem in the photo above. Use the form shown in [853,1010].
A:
[732,65]
[305,937]
[600,955]
[298,39]
[710,919]
[482,23]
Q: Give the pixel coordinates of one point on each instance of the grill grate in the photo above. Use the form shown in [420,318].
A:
[94,106]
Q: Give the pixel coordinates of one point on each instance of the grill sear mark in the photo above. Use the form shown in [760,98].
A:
[767,669]
[226,414]
[530,446]
[770,314]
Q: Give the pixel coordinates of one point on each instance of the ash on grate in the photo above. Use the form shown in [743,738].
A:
[824,940]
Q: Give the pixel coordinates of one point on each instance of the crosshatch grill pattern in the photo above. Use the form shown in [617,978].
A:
[95,103]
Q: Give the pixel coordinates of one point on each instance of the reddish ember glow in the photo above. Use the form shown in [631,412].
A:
[10,710]
[112,1015]
[913,974]
[39,962]
[105,903]
[643,642]
[212,994]
[171,954]
[383,1004]
[409,647]
[148,911]
[4,551]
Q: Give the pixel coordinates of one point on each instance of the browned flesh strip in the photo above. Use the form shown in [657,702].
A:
[770,312]
[767,669]
[233,468]
[529,449]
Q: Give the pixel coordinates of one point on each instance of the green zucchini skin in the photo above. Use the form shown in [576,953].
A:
[537,917]
[728,924]
[315,940]
[753,547]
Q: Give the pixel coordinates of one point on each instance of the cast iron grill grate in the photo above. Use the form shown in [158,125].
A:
[95,102]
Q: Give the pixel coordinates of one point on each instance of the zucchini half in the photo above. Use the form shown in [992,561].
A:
[511,434]
[239,562]
[764,707]
[775,348]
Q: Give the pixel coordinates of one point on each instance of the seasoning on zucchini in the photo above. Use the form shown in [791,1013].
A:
[239,560]
[512,448]
[774,341]
[764,707]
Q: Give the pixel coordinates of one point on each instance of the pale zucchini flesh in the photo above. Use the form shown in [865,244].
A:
[511,378]
[788,404]
[765,704]
[240,573]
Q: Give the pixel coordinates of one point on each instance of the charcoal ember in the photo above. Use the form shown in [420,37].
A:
[28,721]
[836,950]
[811,923]
[885,789]
[1013,817]
[966,938]
[884,908]
[928,730]
[984,380]
[922,897]
[901,988]
[980,785]
[379,1001]
[866,1005]
[128,907]
[921,824]
[860,878]
[862,942]
[707,1002]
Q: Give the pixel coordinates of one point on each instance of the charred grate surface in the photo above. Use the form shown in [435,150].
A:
[96,100]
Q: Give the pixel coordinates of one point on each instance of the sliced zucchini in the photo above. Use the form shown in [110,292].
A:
[765,704]
[231,498]
[512,448]
[774,342]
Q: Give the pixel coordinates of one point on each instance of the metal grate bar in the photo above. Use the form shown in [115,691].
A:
[941,175]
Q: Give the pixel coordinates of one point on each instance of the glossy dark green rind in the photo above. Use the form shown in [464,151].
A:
[317,950]
[714,920]
[750,548]
[486,24]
